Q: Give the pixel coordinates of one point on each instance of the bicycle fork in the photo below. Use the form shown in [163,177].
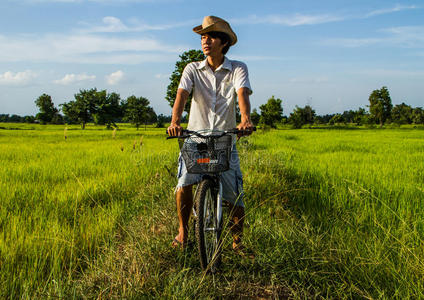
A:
[219,207]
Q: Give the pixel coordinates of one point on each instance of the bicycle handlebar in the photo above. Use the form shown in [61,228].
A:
[185,133]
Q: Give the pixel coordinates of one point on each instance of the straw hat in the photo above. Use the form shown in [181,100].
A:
[212,23]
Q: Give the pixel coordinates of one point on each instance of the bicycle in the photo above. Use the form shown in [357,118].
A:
[208,153]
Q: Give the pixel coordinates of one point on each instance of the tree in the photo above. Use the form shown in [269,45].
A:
[47,109]
[402,114]
[138,111]
[301,116]
[81,110]
[360,116]
[380,105]
[271,112]
[107,108]
[255,116]
[161,119]
[185,58]
[336,119]
[418,115]
[70,111]
[324,119]
[348,116]
[29,119]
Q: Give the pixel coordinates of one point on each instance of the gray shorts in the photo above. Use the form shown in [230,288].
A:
[232,180]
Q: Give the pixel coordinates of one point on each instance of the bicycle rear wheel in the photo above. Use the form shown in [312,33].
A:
[207,227]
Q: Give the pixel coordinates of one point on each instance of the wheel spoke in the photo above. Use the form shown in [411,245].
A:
[208,230]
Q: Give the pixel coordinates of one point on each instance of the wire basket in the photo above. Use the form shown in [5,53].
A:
[206,155]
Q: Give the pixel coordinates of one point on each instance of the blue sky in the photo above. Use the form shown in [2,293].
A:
[328,54]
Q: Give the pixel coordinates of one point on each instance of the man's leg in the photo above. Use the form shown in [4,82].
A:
[184,199]
[236,223]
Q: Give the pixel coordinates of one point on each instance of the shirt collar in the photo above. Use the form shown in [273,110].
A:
[225,65]
[202,64]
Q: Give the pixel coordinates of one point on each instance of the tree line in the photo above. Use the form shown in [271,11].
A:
[381,111]
[99,107]
[105,108]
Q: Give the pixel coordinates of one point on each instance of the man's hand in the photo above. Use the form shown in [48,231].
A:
[174,129]
[246,126]
[244,104]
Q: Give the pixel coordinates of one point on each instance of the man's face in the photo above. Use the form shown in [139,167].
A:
[211,46]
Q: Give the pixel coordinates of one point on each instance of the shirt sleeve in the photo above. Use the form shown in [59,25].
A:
[241,77]
[186,81]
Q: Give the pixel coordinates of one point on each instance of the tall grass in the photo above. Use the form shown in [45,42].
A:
[330,214]
[61,200]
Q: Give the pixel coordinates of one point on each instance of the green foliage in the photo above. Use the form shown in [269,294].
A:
[302,116]
[271,112]
[418,115]
[92,105]
[402,114]
[336,119]
[360,116]
[47,109]
[6,118]
[138,111]
[161,119]
[380,105]
[255,116]
[185,58]
[81,110]
[107,108]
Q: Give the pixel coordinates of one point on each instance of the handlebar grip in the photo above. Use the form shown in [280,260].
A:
[183,132]
[236,130]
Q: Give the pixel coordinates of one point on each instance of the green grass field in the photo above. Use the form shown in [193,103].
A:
[330,214]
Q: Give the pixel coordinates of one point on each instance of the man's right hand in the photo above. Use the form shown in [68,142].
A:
[174,129]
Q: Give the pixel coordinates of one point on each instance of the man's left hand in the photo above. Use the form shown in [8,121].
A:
[246,126]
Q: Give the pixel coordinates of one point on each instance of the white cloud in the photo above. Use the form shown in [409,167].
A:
[404,37]
[112,25]
[85,48]
[299,19]
[352,42]
[407,36]
[293,20]
[19,78]
[396,8]
[74,78]
[115,77]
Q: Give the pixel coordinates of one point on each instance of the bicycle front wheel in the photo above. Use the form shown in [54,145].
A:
[207,227]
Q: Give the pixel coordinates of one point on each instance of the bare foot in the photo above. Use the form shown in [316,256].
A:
[241,250]
[179,242]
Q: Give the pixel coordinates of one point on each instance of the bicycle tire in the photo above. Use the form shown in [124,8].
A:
[207,230]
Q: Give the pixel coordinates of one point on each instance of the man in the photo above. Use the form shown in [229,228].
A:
[217,83]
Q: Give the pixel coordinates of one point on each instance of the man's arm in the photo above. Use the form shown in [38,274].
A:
[244,104]
[177,110]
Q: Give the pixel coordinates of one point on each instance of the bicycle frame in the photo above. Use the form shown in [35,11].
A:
[209,156]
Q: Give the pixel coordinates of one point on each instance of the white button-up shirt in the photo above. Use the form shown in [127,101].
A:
[213,105]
